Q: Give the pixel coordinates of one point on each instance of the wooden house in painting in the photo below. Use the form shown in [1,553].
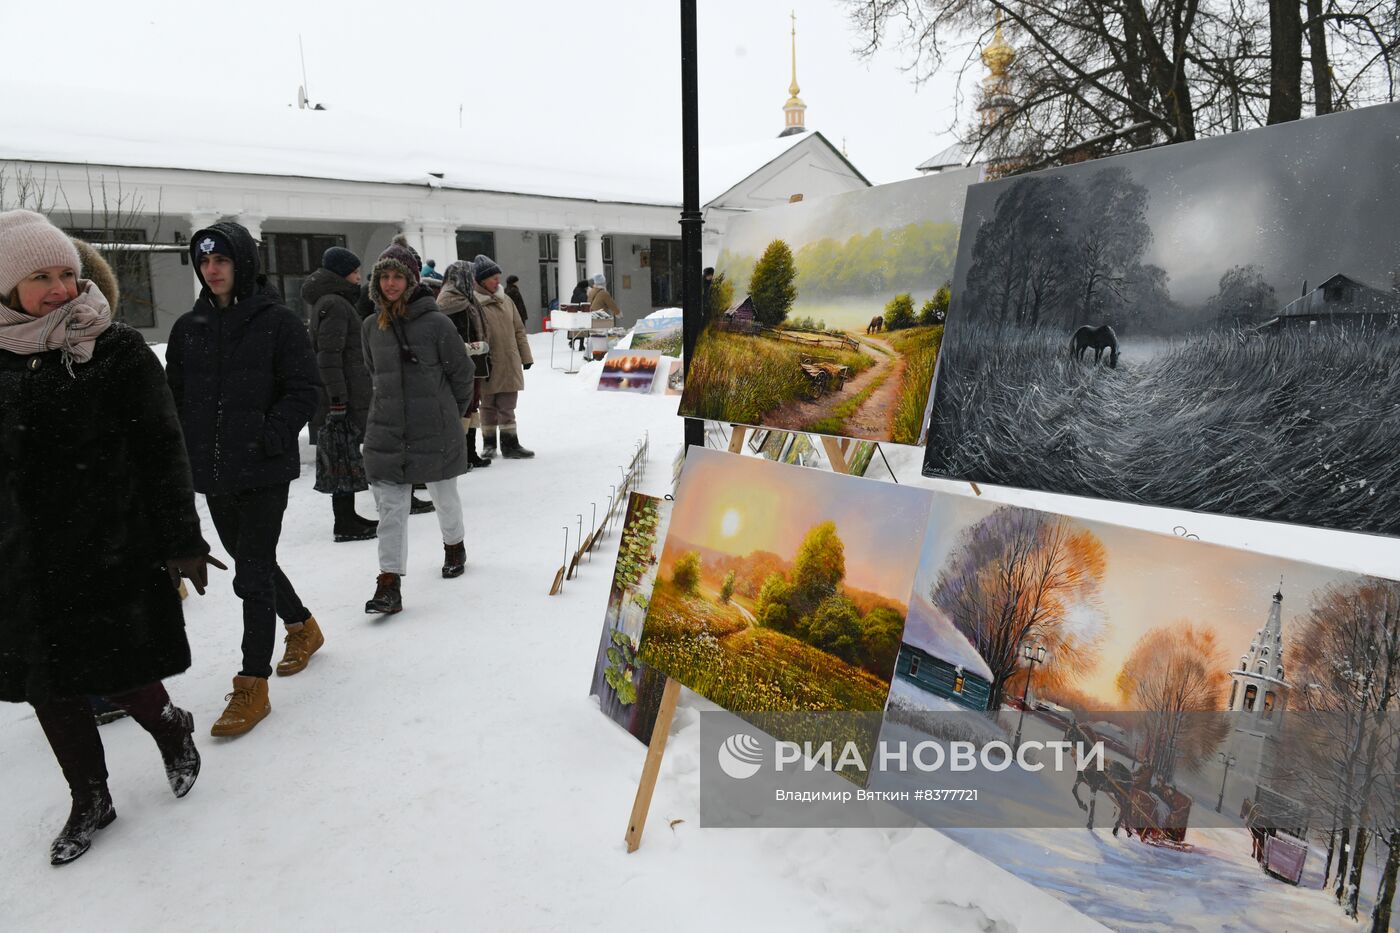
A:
[1340,301]
[742,318]
[939,660]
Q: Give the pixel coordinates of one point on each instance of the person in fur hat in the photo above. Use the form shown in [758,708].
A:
[422,380]
[97,520]
[510,357]
[244,377]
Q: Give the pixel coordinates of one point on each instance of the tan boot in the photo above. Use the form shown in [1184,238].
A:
[247,706]
[303,640]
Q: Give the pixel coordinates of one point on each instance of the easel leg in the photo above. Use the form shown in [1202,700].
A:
[736,438]
[835,454]
[659,734]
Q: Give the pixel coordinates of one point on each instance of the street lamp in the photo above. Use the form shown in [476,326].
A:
[1227,760]
[1033,655]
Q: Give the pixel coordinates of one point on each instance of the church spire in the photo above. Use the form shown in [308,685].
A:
[794,111]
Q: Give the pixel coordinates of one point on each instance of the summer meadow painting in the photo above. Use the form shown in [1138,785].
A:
[1211,326]
[826,315]
[782,588]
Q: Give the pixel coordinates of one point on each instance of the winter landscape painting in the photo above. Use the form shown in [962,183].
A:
[1211,326]
[783,589]
[1198,667]
[629,692]
[826,315]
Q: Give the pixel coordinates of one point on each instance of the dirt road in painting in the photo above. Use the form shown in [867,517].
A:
[863,409]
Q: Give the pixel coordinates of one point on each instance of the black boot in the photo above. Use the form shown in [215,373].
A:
[488,442]
[454,561]
[472,457]
[510,445]
[388,599]
[92,810]
[348,525]
[176,743]
[417,506]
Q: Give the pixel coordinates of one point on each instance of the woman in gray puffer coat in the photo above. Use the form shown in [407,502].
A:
[423,383]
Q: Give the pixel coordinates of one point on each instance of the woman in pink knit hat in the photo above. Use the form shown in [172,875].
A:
[97,519]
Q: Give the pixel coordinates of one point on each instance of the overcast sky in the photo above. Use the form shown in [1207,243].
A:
[603,74]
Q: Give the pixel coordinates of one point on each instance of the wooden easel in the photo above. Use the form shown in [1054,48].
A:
[651,768]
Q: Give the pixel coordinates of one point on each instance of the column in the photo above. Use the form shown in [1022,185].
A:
[253,223]
[198,220]
[568,265]
[436,241]
[593,253]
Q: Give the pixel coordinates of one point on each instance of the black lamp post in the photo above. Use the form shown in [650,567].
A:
[1033,655]
[1228,760]
[692,220]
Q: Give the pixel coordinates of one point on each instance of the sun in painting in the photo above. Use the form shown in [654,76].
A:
[729,524]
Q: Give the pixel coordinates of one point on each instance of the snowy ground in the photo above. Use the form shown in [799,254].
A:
[444,769]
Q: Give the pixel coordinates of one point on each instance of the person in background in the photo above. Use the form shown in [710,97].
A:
[599,299]
[458,301]
[430,272]
[330,294]
[513,290]
[97,519]
[580,294]
[422,386]
[244,377]
[510,357]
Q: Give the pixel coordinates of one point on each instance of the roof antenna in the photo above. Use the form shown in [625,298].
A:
[302,91]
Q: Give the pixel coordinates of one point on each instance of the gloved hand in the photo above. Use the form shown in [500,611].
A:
[337,412]
[195,569]
[528,365]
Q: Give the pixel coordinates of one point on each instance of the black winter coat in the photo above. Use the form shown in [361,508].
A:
[514,292]
[334,328]
[245,381]
[95,494]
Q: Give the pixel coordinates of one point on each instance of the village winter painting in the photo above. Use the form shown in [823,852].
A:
[826,316]
[1246,705]
[1212,327]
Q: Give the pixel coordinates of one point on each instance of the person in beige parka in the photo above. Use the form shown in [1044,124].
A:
[510,357]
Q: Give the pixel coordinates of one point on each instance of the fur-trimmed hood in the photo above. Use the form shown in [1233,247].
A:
[96,270]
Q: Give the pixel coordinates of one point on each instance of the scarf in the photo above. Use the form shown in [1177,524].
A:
[72,328]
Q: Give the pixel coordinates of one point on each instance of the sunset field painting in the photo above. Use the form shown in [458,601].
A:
[782,588]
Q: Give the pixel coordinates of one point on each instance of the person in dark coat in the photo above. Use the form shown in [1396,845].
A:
[330,294]
[97,519]
[580,294]
[457,301]
[240,366]
[513,291]
[423,385]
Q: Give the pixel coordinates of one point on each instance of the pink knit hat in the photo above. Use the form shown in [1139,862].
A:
[28,242]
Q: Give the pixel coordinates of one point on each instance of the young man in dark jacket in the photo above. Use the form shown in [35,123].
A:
[244,378]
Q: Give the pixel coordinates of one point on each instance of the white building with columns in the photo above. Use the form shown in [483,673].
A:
[303,180]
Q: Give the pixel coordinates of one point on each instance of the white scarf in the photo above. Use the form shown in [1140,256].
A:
[72,328]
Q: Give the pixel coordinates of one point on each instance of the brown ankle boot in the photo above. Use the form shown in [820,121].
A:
[303,640]
[247,706]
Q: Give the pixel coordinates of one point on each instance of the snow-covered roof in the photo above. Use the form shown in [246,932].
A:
[956,155]
[147,132]
[929,630]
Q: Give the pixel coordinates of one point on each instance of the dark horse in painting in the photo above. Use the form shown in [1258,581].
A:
[1113,778]
[1097,339]
[877,324]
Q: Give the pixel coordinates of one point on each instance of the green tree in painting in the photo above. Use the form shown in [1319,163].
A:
[899,312]
[835,628]
[935,310]
[819,569]
[775,604]
[882,630]
[774,284]
[719,297]
[686,575]
[726,589]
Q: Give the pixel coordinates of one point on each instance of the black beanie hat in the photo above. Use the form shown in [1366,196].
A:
[483,267]
[209,241]
[340,260]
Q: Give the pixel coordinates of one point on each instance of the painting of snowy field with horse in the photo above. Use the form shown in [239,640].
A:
[1211,326]
[1230,690]
[826,315]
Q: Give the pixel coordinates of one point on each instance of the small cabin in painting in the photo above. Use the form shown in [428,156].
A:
[742,318]
[938,659]
[1341,301]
